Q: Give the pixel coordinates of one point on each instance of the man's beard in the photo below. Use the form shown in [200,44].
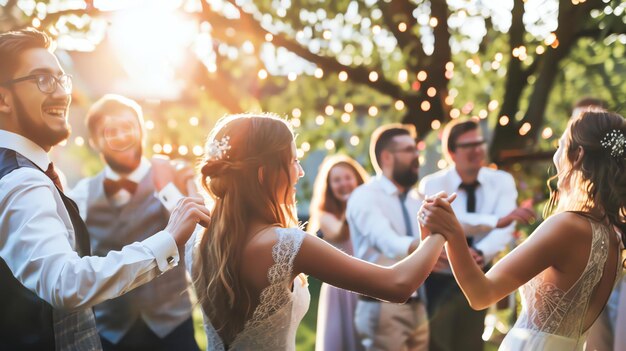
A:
[405,175]
[40,136]
[125,168]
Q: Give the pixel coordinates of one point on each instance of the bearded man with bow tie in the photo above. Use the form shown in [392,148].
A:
[123,204]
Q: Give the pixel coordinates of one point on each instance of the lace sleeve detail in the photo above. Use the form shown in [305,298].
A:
[277,294]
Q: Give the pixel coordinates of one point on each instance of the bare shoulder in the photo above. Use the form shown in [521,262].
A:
[564,229]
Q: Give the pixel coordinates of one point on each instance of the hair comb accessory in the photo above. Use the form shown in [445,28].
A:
[615,142]
[216,149]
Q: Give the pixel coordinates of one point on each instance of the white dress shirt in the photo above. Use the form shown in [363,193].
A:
[37,241]
[122,197]
[376,222]
[496,197]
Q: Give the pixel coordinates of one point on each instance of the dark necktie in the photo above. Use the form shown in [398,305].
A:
[112,187]
[405,214]
[54,176]
[470,190]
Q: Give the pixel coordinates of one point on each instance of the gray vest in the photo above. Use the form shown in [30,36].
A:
[163,303]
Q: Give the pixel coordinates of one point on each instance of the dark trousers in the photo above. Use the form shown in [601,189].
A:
[454,325]
[140,337]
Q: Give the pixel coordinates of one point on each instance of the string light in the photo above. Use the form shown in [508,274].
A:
[403,75]
[167,148]
[295,122]
[455,113]
[372,111]
[449,100]
[269,37]
[493,104]
[422,75]
[524,129]
[194,121]
[329,144]
[343,76]
[504,120]
[319,73]
[296,113]
[292,76]
[402,27]
[183,150]
[348,107]
[79,141]
[540,50]
[319,120]
[399,105]
[300,153]
[345,117]
[453,92]
[433,22]
[197,150]
[425,105]
[435,124]
[431,92]
[326,34]
[376,29]
[262,74]
[157,148]
[354,140]
[329,110]
[442,164]
[305,146]
[449,66]
[373,76]
[547,133]
[149,125]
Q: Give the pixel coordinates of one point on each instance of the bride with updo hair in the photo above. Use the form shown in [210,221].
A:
[249,266]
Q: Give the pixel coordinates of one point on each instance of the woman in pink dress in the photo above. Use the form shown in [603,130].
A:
[338,176]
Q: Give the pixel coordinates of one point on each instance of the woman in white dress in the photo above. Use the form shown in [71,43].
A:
[567,268]
[337,177]
[247,266]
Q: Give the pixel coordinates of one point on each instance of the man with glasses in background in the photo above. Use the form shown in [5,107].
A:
[48,279]
[382,215]
[128,202]
[486,207]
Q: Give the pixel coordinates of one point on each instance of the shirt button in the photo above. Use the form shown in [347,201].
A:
[170,260]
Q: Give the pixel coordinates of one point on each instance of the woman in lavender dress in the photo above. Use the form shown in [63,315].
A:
[338,176]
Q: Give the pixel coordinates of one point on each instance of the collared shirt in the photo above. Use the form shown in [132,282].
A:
[496,197]
[37,241]
[119,199]
[376,222]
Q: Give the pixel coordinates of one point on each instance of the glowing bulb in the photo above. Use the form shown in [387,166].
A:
[504,120]
[399,105]
[329,144]
[183,150]
[319,120]
[343,76]
[300,153]
[319,73]
[79,141]
[197,150]
[524,129]
[425,105]
[167,148]
[345,117]
[269,37]
[296,113]
[493,104]
[449,100]
[305,146]
[373,76]
[431,92]
[295,122]
[292,76]
[546,133]
[354,140]
[348,107]
[435,124]
[402,27]
[262,74]
[372,111]
[194,121]
[455,113]
[422,75]
[329,110]
[442,164]
[157,148]
[449,66]
[149,125]
[403,75]
[483,114]
[433,22]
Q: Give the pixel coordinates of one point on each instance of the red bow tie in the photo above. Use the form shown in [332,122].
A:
[111,187]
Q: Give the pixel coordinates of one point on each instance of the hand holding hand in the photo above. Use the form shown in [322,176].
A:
[437,215]
[189,212]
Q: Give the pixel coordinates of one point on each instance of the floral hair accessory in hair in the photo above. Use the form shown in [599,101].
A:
[217,148]
[615,142]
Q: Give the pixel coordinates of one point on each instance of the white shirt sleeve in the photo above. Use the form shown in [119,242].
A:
[35,242]
[498,239]
[363,215]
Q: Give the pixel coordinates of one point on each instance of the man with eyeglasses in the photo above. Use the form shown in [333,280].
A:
[382,215]
[48,280]
[121,205]
[486,207]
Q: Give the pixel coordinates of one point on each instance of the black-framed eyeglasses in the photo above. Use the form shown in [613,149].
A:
[407,150]
[46,82]
[470,145]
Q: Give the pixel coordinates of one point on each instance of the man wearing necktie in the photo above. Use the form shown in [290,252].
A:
[382,215]
[120,205]
[49,280]
[486,207]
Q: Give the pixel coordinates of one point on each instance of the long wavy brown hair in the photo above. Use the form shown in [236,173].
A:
[256,144]
[599,184]
[323,199]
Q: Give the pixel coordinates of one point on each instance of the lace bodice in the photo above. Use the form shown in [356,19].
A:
[275,320]
[548,309]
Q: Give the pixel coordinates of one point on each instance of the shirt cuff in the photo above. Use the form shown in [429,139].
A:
[163,247]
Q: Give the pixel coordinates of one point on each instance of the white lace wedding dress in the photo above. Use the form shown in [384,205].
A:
[275,320]
[553,319]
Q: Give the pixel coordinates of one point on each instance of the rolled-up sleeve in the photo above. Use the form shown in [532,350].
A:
[35,242]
